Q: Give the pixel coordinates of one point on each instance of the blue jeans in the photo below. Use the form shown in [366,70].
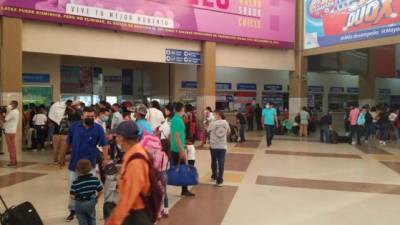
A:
[73,176]
[384,131]
[218,164]
[50,133]
[241,133]
[325,134]
[269,133]
[165,179]
[86,212]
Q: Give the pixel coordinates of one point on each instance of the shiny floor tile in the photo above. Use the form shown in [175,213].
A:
[242,150]
[248,144]
[313,154]
[229,177]
[329,185]
[237,162]
[387,158]
[395,166]
[3,163]
[370,149]
[17,178]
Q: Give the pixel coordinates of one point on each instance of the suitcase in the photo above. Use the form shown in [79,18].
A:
[23,214]
[333,137]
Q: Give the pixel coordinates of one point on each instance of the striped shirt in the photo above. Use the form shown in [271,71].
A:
[85,187]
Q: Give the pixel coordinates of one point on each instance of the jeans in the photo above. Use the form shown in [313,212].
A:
[370,130]
[360,133]
[218,164]
[269,133]
[259,122]
[41,134]
[86,212]
[50,133]
[325,134]
[353,132]
[73,176]
[241,133]
[250,123]
[165,179]
[384,131]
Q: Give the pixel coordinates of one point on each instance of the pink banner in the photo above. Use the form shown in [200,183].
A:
[266,23]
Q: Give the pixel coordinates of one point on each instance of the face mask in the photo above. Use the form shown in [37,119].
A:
[89,122]
[104,118]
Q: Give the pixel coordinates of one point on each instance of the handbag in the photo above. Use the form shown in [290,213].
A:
[182,175]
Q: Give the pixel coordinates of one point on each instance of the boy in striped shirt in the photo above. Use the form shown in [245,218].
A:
[86,190]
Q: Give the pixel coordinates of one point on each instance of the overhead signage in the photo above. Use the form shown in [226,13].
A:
[336,90]
[182,56]
[35,78]
[332,22]
[246,86]
[352,90]
[385,91]
[273,87]
[189,84]
[316,89]
[266,23]
[112,79]
[223,86]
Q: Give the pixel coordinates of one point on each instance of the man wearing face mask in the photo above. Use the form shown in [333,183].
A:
[84,137]
[270,120]
[10,124]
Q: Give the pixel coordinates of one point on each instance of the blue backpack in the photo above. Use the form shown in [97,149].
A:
[361,119]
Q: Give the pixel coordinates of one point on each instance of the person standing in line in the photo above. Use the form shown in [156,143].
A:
[134,180]
[369,123]
[270,120]
[59,118]
[361,124]
[117,117]
[393,117]
[84,137]
[353,117]
[40,120]
[241,122]
[154,115]
[85,191]
[258,114]
[141,122]
[249,117]
[219,130]
[384,126]
[10,124]
[325,127]
[304,121]
[178,142]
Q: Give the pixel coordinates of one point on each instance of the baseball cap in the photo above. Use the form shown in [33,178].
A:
[141,109]
[127,129]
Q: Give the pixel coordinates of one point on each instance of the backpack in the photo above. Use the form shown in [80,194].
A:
[361,119]
[297,119]
[153,146]
[368,118]
[152,202]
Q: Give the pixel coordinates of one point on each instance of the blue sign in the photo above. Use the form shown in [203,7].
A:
[273,87]
[182,56]
[316,89]
[336,90]
[385,91]
[245,86]
[352,90]
[188,84]
[35,78]
[223,86]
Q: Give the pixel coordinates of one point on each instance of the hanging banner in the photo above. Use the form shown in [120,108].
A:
[268,23]
[331,22]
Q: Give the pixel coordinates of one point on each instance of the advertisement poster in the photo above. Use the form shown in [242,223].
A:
[76,79]
[40,95]
[267,23]
[332,22]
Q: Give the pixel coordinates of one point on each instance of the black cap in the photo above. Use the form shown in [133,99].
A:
[127,129]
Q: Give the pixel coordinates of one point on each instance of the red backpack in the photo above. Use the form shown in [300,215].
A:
[152,202]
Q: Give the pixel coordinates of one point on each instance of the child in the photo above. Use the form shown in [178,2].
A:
[86,190]
[191,153]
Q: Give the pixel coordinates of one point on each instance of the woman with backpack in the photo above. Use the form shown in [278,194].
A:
[361,124]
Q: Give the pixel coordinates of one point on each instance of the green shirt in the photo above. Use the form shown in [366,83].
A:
[177,125]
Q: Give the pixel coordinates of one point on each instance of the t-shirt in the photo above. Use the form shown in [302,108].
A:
[392,117]
[39,119]
[304,117]
[155,117]
[85,187]
[177,126]
[116,120]
[354,116]
[144,125]
[11,124]
[84,142]
[165,130]
[269,116]
[219,130]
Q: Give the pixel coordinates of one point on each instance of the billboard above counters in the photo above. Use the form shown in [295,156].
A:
[264,23]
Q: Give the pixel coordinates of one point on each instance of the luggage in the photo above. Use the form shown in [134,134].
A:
[183,175]
[23,214]
[343,139]
[333,137]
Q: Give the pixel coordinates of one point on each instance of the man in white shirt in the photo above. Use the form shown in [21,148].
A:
[10,125]
[117,117]
[154,115]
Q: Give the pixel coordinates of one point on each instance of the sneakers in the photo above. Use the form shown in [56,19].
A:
[219,184]
[70,217]
[165,213]
[187,194]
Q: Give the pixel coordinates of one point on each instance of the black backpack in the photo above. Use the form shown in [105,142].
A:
[154,200]
[368,118]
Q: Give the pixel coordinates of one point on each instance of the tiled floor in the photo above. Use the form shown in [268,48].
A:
[294,182]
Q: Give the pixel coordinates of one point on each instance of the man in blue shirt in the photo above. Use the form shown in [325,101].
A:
[270,120]
[84,137]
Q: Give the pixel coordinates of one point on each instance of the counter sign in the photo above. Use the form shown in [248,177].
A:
[182,56]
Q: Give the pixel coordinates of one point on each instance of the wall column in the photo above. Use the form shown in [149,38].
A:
[366,84]
[11,67]
[298,85]
[206,77]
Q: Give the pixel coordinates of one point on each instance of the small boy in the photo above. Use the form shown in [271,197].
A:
[86,190]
